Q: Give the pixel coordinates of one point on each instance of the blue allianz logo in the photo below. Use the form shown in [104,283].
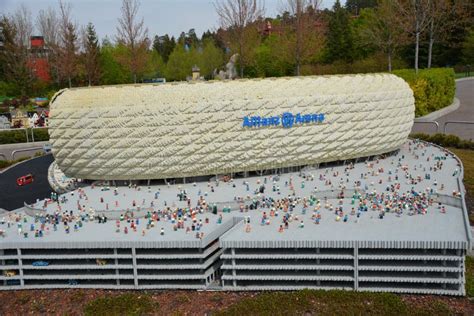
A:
[286,120]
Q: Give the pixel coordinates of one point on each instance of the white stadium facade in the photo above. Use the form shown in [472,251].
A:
[137,132]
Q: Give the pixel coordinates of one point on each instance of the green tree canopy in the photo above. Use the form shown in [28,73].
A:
[112,71]
[339,42]
[468,49]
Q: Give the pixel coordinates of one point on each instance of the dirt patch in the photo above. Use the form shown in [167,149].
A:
[72,302]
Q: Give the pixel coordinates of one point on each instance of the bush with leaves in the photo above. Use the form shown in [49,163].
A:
[445,140]
[433,88]
[14,136]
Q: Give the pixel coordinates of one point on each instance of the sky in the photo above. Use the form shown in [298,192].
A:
[161,16]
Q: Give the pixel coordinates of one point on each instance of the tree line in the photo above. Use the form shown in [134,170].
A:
[303,39]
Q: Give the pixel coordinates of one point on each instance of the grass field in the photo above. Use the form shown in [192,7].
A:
[467,158]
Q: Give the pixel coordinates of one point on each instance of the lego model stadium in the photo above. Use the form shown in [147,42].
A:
[263,184]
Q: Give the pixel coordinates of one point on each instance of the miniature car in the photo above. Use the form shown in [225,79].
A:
[25,179]
[13,282]
[9,273]
[101,262]
[47,148]
[72,282]
[40,264]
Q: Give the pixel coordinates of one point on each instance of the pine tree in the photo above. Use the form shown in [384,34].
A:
[339,36]
[354,6]
[14,58]
[164,45]
[91,55]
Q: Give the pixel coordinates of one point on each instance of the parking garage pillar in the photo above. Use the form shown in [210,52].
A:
[234,274]
[134,263]
[20,267]
[356,267]
[116,266]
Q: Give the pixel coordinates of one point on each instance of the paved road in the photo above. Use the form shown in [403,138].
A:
[13,196]
[465,94]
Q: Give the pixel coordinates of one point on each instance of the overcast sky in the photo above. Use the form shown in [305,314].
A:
[161,16]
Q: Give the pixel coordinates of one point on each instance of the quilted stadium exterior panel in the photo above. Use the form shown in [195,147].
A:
[204,128]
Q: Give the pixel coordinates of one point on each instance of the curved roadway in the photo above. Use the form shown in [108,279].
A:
[465,94]
[13,196]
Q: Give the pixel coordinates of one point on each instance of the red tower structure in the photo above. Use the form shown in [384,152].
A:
[38,58]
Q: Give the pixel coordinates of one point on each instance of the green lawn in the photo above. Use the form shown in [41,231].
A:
[125,304]
[304,302]
[469,277]
[467,158]
[311,302]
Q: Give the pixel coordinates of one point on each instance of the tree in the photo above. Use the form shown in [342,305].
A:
[112,71]
[210,58]
[443,16]
[302,23]
[23,25]
[47,24]
[355,6]
[339,41]
[382,29]
[273,59]
[164,45]
[180,63]
[132,34]
[14,55]
[191,38]
[236,16]
[91,56]
[68,44]
[468,49]
[155,67]
[416,17]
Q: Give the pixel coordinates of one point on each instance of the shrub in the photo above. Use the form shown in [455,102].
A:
[14,136]
[432,88]
[126,304]
[445,140]
[4,163]
[8,163]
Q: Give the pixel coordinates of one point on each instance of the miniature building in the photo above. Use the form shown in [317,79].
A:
[226,127]
[38,58]
[196,73]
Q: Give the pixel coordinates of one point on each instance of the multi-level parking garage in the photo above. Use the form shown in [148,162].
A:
[178,264]
[406,270]
[405,252]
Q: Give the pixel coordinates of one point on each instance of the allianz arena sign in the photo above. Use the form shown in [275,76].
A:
[286,120]
[174,130]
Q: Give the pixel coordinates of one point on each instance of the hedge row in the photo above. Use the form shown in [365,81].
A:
[445,140]
[433,88]
[14,136]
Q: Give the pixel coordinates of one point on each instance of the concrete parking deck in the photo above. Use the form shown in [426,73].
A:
[415,240]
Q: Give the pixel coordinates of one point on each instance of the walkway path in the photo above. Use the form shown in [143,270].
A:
[465,94]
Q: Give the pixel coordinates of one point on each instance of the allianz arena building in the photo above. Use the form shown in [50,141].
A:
[138,132]
[284,212]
